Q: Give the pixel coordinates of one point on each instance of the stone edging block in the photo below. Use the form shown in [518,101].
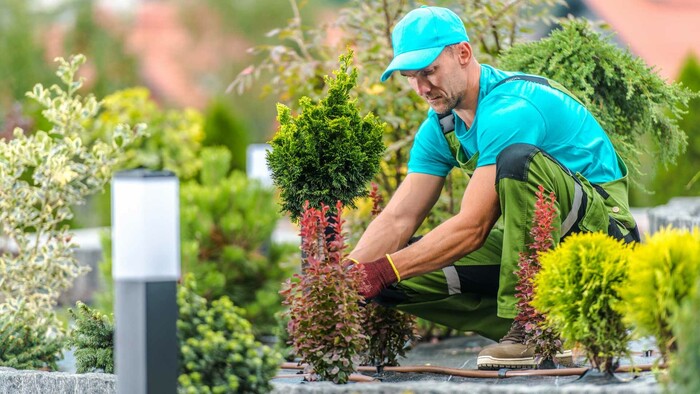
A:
[13,381]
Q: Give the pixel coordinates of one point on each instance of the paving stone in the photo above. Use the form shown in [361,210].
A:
[462,388]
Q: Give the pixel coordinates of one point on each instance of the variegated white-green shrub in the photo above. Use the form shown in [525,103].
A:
[42,175]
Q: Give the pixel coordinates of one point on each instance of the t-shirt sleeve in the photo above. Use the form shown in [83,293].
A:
[505,120]
[430,153]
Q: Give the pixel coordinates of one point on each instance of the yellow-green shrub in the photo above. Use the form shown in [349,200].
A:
[577,289]
[662,272]
[686,362]
[175,136]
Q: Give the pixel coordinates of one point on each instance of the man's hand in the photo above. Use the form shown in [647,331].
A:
[379,274]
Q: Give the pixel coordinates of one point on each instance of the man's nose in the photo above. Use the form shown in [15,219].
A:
[422,86]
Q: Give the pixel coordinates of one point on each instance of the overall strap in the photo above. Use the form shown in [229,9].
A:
[540,80]
[447,122]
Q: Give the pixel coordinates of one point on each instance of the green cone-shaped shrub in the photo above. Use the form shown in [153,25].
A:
[25,342]
[578,290]
[662,272]
[93,339]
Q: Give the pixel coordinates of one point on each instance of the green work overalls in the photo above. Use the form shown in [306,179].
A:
[477,292]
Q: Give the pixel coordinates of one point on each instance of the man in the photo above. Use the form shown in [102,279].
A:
[511,132]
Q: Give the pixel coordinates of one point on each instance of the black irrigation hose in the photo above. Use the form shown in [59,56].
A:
[476,373]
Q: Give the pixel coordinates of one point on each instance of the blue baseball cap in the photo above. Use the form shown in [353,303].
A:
[421,35]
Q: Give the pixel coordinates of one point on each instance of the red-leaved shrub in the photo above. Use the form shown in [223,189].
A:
[545,340]
[325,318]
[388,330]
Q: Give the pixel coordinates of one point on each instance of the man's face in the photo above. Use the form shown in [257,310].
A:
[442,84]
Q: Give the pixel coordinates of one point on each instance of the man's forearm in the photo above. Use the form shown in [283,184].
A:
[439,248]
[458,236]
[383,235]
[406,210]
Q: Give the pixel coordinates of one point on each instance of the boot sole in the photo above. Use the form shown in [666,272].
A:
[490,363]
[494,363]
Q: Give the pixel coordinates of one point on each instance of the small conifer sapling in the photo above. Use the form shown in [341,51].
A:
[93,339]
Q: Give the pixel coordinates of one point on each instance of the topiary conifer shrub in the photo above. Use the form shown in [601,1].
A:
[662,273]
[93,339]
[628,98]
[578,289]
[685,364]
[325,318]
[538,332]
[328,152]
[218,352]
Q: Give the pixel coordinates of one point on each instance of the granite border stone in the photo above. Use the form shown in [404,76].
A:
[13,381]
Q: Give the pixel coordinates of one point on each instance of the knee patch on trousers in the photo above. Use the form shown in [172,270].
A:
[514,160]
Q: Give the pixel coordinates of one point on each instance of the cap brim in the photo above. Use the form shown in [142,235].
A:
[414,60]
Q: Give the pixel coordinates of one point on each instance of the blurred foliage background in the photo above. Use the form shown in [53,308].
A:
[33,32]
[227,61]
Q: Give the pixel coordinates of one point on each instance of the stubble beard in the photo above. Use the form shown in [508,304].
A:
[450,103]
[446,105]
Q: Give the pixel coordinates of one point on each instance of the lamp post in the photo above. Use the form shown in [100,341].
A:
[256,164]
[146,268]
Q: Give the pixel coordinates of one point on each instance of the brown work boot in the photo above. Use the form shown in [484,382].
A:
[511,352]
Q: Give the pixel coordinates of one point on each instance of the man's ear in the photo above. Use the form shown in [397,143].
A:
[464,52]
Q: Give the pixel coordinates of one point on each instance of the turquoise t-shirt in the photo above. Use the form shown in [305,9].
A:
[519,112]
